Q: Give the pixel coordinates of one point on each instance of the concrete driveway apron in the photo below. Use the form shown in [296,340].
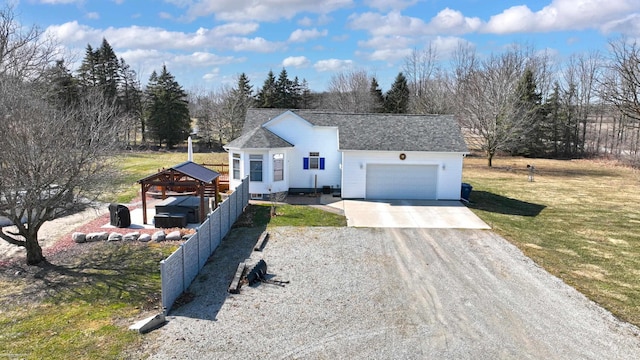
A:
[410,214]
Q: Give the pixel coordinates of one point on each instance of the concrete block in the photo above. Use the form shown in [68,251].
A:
[148,324]
[262,241]
[234,288]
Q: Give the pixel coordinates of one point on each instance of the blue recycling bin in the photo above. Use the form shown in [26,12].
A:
[465,191]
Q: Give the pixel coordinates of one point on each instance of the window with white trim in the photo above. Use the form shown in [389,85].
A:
[278,167]
[255,167]
[236,166]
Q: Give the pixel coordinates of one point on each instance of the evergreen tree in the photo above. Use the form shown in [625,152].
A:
[551,124]
[296,93]
[62,87]
[241,100]
[100,68]
[528,105]
[305,96]
[267,96]
[376,96]
[284,96]
[108,70]
[87,73]
[130,101]
[397,99]
[167,109]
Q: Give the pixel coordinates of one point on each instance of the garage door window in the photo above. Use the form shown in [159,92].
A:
[314,161]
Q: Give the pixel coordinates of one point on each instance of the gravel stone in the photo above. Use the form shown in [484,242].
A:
[362,293]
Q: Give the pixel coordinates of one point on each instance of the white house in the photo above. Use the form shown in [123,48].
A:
[365,156]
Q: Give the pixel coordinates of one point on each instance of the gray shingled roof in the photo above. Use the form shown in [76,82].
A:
[384,132]
[258,138]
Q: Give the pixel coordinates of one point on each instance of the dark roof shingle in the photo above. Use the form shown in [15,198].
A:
[383,132]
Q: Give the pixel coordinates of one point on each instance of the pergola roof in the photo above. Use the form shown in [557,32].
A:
[187,175]
[187,168]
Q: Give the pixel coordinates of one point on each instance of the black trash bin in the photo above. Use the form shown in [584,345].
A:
[465,191]
[119,216]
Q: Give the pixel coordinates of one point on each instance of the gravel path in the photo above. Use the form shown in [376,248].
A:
[387,293]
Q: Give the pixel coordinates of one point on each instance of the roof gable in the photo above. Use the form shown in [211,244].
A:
[258,138]
[285,116]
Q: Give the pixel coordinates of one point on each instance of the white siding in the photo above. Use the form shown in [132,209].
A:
[354,174]
[308,138]
[267,184]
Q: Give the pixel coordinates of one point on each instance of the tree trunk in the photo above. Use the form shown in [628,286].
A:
[34,251]
[490,159]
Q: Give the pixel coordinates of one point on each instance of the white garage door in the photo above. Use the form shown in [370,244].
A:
[402,181]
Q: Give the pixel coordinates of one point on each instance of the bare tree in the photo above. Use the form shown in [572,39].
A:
[488,99]
[580,78]
[57,160]
[428,83]
[349,91]
[25,52]
[623,87]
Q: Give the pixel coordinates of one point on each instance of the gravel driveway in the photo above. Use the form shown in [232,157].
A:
[363,293]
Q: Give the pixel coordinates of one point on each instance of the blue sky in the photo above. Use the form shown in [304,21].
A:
[208,43]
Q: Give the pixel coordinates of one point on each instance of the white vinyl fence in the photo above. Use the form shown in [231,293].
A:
[179,269]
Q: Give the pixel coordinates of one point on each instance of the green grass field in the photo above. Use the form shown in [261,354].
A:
[578,219]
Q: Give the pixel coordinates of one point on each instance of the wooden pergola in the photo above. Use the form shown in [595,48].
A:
[187,178]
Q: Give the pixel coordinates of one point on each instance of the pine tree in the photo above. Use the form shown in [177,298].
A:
[130,100]
[242,95]
[284,96]
[305,95]
[62,87]
[87,72]
[552,119]
[167,109]
[100,68]
[397,99]
[267,96]
[528,105]
[108,70]
[377,97]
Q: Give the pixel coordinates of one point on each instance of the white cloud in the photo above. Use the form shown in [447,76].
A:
[450,21]
[266,10]
[93,15]
[629,25]
[305,21]
[389,55]
[296,62]
[300,35]
[561,15]
[203,59]
[333,65]
[74,34]
[211,75]
[445,22]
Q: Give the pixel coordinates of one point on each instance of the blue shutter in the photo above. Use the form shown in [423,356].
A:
[321,163]
[305,163]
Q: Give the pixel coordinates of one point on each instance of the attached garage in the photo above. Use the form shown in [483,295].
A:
[399,181]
